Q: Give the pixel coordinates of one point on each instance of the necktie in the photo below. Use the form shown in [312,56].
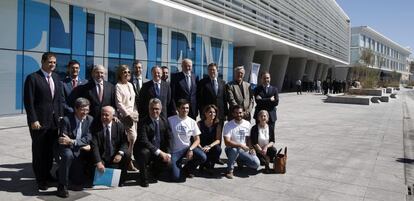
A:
[138,84]
[215,86]
[188,82]
[74,83]
[78,136]
[267,89]
[51,85]
[108,144]
[157,89]
[157,134]
[79,131]
[100,94]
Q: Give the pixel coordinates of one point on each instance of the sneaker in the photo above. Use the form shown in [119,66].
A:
[229,175]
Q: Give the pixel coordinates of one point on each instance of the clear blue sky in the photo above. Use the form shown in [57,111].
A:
[392,18]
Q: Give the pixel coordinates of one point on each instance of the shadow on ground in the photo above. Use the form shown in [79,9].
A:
[19,178]
[405,160]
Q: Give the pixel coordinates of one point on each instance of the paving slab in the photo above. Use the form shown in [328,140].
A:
[335,152]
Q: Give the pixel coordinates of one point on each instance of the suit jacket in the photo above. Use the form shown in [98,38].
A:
[179,90]
[68,95]
[38,101]
[168,107]
[235,96]
[69,127]
[134,82]
[89,91]
[206,96]
[118,139]
[146,133]
[265,103]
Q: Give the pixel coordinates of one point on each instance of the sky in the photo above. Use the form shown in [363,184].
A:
[392,18]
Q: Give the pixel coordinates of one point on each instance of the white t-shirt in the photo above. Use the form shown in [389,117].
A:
[182,130]
[237,132]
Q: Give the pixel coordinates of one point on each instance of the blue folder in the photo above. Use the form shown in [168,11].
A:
[108,178]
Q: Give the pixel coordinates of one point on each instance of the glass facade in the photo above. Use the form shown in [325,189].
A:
[93,37]
[387,54]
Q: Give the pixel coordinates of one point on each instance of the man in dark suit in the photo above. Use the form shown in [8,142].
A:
[137,79]
[156,88]
[42,101]
[240,93]
[74,149]
[69,83]
[184,86]
[99,92]
[153,144]
[211,91]
[109,143]
[267,98]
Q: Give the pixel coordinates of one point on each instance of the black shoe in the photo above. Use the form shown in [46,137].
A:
[42,185]
[62,191]
[144,183]
[220,162]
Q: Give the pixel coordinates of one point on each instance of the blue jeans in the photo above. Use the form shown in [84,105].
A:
[251,161]
[199,157]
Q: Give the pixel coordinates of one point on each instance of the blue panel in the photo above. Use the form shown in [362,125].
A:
[152,48]
[174,48]
[143,29]
[36,22]
[62,61]
[127,41]
[19,82]
[230,65]
[114,38]
[20,14]
[198,63]
[79,31]
[112,65]
[60,41]
[82,62]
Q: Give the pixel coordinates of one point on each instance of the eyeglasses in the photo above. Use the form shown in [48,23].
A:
[127,72]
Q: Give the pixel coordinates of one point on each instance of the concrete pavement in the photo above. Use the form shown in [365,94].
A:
[335,152]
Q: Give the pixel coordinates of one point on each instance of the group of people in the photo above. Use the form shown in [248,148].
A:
[85,125]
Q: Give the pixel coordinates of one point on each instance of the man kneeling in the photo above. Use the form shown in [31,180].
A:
[237,140]
[153,144]
[109,143]
[185,152]
[74,147]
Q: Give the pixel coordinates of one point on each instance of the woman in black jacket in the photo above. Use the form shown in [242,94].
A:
[263,138]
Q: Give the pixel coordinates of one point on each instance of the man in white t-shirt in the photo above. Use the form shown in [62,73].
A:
[237,140]
[182,150]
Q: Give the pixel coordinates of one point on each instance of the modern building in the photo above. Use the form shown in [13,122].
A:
[293,39]
[387,55]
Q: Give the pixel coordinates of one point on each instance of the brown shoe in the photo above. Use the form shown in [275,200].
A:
[229,175]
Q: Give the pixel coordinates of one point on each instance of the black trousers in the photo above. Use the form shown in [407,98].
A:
[213,156]
[78,169]
[145,158]
[271,153]
[44,143]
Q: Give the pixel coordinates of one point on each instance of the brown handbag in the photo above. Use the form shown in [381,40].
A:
[279,164]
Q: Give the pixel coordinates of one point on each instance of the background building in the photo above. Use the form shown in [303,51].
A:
[387,55]
[293,39]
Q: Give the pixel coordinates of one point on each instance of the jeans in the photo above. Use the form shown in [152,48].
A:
[199,157]
[244,157]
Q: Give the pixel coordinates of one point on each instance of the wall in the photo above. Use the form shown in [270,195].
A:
[93,37]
